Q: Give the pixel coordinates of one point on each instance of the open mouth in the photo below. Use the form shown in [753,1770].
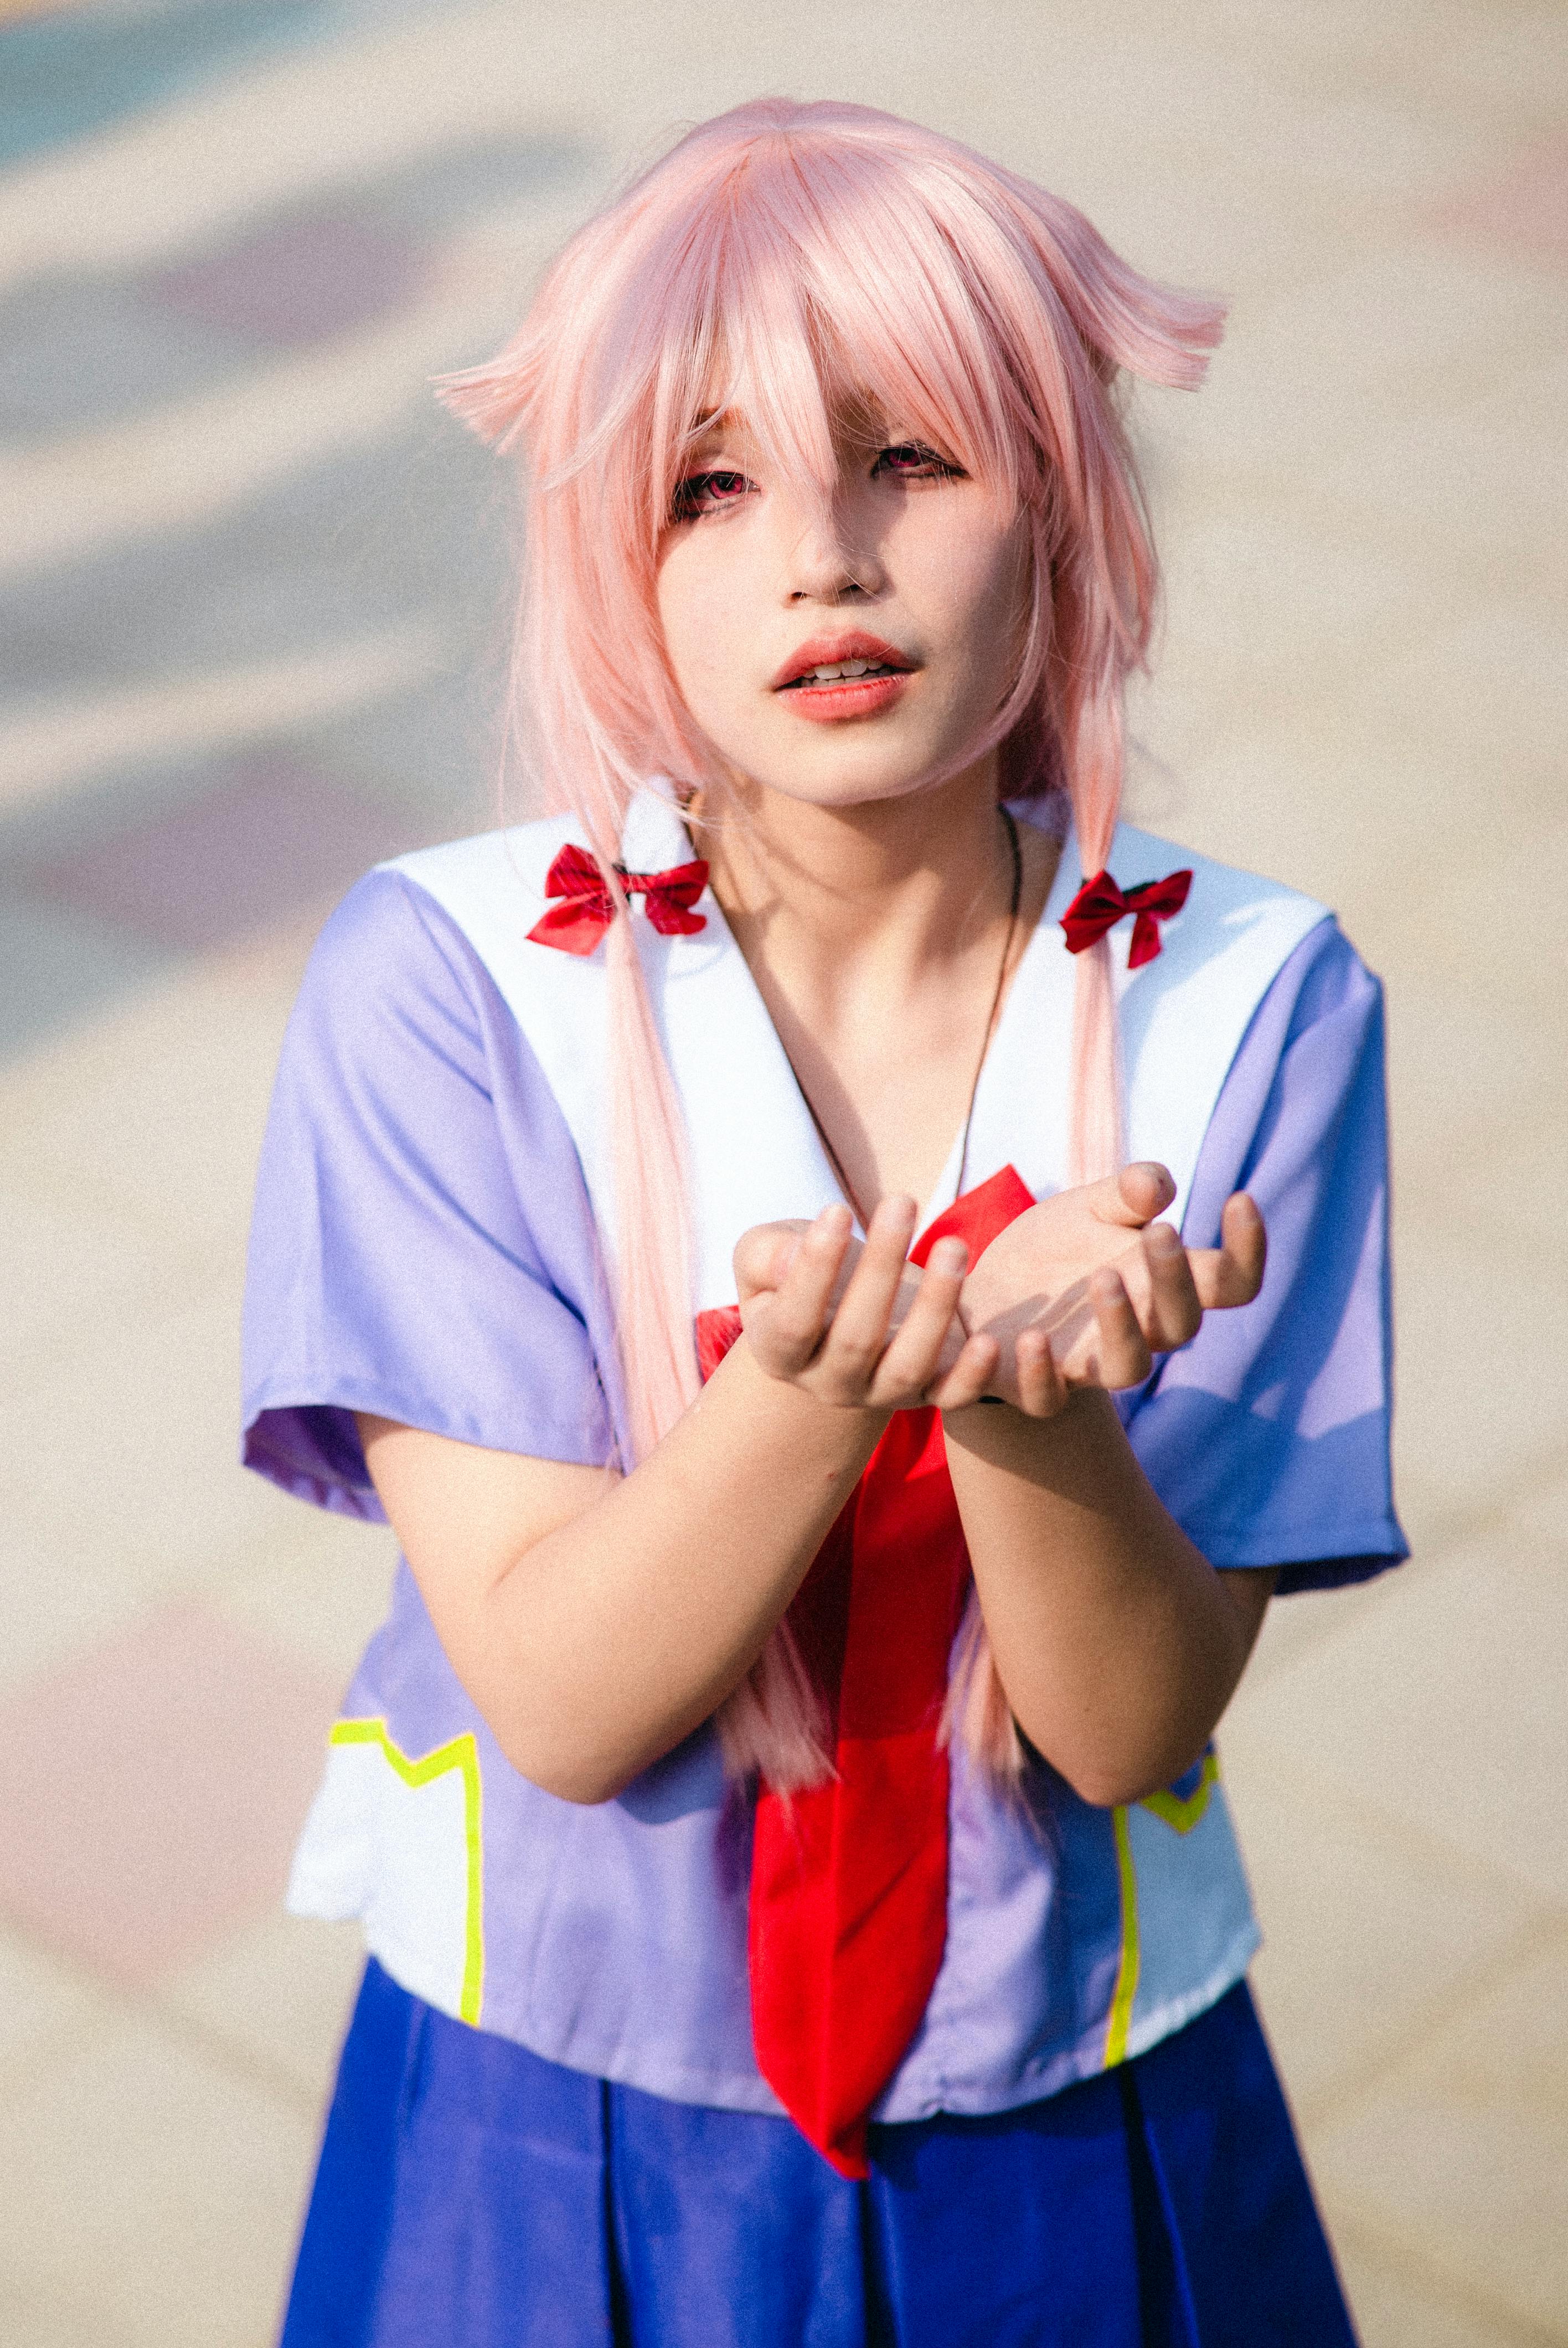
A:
[849,675]
[849,672]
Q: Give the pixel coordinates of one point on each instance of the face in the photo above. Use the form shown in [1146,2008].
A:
[849,660]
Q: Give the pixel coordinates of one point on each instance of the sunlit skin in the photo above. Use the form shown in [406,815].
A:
[861,863]
[914,555]
[868,878]
[752,572]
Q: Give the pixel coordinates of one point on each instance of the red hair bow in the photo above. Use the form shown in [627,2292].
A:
[1100,904]
[578,925]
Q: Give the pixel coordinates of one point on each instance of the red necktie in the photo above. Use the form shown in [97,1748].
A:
[849,1880]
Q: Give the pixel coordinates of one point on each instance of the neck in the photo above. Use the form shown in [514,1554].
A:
[907,881]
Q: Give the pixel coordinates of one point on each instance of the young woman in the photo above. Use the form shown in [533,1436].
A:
[782,1238]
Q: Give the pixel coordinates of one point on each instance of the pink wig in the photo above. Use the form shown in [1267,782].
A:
[780,259]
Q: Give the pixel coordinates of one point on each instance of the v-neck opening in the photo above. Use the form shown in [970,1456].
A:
[755,1155]
[945,1190]
[941,1197]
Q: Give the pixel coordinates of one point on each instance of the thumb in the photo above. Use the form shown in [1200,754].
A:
[764,1255]
[1133,1197]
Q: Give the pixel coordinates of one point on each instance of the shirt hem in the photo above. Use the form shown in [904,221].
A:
[1372,1536]
[343,1493]
[1053,2075]
[731,2091]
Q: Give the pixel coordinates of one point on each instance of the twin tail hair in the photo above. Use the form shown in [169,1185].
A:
[779,260]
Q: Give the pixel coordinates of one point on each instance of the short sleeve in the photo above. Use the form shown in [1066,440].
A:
[422,1245]
[1268,1437]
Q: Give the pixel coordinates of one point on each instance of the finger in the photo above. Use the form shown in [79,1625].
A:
[1122,1357]
[1232,1273]
[1173,1312]
[1244,1238]
[764,1255]
[1042,1389]
[788,1332]
[858,1333]
[1132,1197]
[970,1376]
[914,1358]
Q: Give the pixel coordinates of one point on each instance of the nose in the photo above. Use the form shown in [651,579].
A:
[821,567]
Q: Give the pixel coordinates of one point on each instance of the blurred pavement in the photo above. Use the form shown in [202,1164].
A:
[251,597]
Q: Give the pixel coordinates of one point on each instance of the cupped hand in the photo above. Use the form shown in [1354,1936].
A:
[1086,1287]
[856,1326]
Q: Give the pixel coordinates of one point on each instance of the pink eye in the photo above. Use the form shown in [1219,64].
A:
[912,460]
[700,493]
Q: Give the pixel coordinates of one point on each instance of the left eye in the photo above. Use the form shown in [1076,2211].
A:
[700,493]
[912,460]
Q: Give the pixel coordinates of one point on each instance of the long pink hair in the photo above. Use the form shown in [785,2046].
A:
[778,259]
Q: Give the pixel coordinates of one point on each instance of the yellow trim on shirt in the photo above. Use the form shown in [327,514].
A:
[462,1754]
[1126,1988]
[1182,1813]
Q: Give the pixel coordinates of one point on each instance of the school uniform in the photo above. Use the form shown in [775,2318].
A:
[551,2123]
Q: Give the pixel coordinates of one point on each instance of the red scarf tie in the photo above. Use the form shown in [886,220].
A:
[849,1880]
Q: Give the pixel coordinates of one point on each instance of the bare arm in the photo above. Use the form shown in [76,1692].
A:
[1119,1645]
[594,1620]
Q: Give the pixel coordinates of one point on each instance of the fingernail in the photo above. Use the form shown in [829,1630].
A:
[1163,1239]
[949,1256]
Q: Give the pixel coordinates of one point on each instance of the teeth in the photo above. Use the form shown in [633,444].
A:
[833,670]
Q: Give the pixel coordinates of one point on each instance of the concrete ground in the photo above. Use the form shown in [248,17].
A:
[249,588]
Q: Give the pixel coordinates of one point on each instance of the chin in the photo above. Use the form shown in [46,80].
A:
[861,776]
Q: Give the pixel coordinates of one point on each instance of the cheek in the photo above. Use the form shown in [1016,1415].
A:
[683,598]
[701,610]
[970,585]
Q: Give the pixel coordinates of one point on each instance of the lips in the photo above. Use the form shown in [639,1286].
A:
[829,652]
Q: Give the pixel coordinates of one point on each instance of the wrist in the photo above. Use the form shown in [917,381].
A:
[812,1419]
[996,1423]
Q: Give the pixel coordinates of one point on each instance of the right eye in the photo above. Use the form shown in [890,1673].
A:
[702,493]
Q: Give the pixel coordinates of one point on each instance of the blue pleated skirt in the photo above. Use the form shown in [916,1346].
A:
[471,2195]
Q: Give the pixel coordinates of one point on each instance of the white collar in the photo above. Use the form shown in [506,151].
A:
[756,1156]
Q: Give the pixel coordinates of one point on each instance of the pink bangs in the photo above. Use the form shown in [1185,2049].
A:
[780,260]
[791,263]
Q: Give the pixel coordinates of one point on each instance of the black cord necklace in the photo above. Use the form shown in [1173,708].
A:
[835,1162]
